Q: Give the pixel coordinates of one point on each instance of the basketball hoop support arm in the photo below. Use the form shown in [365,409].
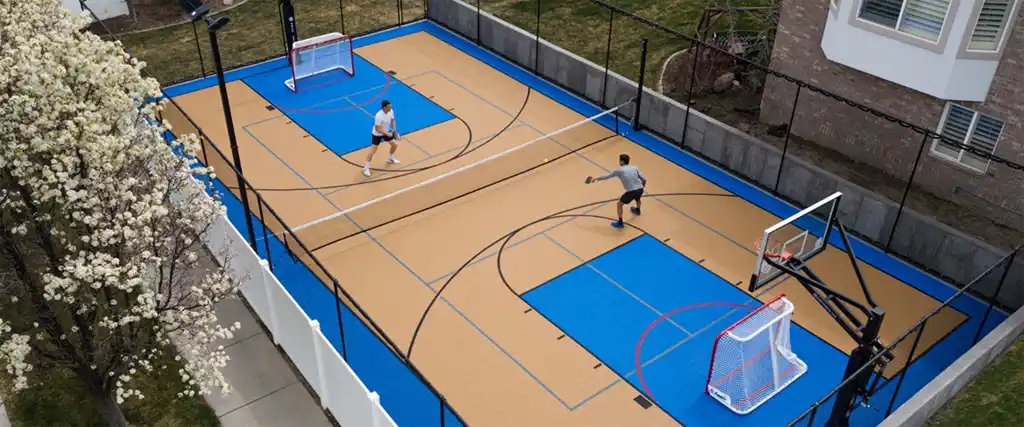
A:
[865,335]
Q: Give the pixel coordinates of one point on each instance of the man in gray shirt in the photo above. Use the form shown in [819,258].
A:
[632,180]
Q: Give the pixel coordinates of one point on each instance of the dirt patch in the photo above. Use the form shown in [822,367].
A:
[739,107]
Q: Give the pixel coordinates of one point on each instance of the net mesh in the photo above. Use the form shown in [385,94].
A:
[752,360]
[459,182]
[319,55]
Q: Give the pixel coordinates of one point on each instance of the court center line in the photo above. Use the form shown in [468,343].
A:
[414,274]
[589,264]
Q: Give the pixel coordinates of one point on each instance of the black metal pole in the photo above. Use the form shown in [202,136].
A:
[199,49]
[785,145]
[906,192]
[478,22]
[640,85]
[906,366]
[995,295]
[266,239]
[814,412]
[695,51]
[536,43]
[341,7]
[212,28]
[607,61]
[398,3]
[441,401]
[847,395]
[341,325]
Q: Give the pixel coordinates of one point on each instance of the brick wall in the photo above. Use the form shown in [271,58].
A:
[885,145]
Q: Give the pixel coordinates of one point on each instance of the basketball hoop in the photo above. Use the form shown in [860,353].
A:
[769,252]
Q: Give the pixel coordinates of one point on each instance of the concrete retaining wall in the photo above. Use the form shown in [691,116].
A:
[919,238]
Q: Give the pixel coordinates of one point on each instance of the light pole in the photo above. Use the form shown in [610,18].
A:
[213,25]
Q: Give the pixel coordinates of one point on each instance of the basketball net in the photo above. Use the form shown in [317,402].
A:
[776,252]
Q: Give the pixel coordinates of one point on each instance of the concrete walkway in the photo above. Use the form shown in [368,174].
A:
[4,422]
[267,390]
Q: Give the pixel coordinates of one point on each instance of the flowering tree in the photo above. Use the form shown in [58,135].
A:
[100,222]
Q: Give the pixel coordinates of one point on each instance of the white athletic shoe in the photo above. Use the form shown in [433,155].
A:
[366,171]
[393,160]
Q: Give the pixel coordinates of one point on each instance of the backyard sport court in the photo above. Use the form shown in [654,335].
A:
[543,304]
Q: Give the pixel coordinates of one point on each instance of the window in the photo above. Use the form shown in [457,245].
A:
[988,31]
[969,128]
[919,18]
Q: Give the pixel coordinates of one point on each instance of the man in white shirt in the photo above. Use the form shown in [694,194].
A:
[384,129]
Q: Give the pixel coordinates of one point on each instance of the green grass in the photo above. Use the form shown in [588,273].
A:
[581,26]
[60,399]
[994,399]
[172,54]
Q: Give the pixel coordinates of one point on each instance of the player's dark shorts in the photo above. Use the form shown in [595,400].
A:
[378,138]
[629,196]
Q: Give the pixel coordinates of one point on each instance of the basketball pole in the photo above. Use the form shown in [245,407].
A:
[847,395]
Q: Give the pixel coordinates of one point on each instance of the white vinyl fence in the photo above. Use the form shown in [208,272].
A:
[337,385]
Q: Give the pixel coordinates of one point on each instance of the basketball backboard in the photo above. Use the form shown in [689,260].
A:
[801,236]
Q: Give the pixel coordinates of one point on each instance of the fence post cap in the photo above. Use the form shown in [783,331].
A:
[374,397]
[315,324]
[264,263]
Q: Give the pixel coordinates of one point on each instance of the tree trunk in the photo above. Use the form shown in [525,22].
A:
[108,407]
[104,399]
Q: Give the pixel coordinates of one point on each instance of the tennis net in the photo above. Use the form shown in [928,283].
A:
[460,182]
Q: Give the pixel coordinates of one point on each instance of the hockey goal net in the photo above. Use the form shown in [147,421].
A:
[752,361]
[318,55]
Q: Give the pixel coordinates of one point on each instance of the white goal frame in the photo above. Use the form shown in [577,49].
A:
[783,352]
[337,44]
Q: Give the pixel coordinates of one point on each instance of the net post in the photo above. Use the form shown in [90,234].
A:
[858,358]
[640,85]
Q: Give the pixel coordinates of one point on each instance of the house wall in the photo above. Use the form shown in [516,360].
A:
[887,146]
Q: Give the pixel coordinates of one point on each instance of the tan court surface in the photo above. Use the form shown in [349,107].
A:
[477,375]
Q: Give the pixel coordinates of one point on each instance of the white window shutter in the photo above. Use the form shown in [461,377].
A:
[924,18]
[988,31]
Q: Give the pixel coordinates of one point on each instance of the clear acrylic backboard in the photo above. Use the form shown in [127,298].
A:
[801,236]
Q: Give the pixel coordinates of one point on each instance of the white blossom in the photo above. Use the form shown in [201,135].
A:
[90,189]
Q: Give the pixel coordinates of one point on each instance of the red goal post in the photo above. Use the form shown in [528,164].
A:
[752,361]
[318,55]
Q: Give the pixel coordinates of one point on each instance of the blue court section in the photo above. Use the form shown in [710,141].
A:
[673,282]
[338,109]
[607,303]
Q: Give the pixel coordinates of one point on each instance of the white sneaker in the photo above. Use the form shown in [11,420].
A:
[366,171]
[393,160]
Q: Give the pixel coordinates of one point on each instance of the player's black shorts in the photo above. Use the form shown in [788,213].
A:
[629,196]
[378,138]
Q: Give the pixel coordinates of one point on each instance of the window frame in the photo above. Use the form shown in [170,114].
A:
[958,159]
[1011,21]
[938,45]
